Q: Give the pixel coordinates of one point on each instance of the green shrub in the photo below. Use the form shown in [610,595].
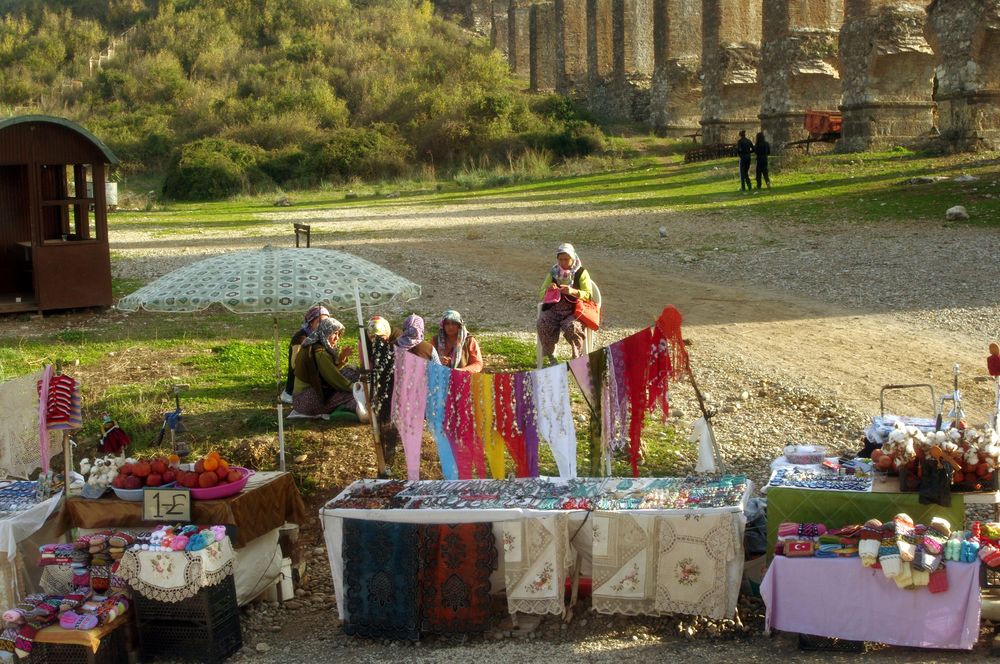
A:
[369,152]
[214,168]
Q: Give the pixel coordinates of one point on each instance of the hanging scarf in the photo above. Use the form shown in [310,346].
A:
[594,364]
[459,427]
[636,351]
[482,409]
[525,408]
[409,403]
[550,391]
[615,413]
[505,420]
[438,378]
[381,358]
[668,325]
[442,339]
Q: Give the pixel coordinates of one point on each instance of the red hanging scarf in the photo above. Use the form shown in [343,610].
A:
[636,349]
[459,427]
[505,421]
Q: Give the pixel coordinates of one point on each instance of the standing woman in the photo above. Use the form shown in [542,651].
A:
[566,282]
[455,346]
[323,381]
[762,149]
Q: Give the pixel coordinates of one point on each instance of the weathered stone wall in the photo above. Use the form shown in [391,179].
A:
[799,65]
[543,47]
[731,32]
[519,37]
[476,15]
[965,35]
[887,71]
[571,45]
[675,91]
[499,31]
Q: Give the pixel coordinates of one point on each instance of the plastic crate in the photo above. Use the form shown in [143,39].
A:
[203,628]
[113,650]
[190,640]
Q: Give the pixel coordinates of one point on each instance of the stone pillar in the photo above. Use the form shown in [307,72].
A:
[571,45]
[519,33]
[543,47]
[675,91]
[620,58]
[799,67]
[887,71]
[730,57]
[600,42]
[500,32]
[965,35]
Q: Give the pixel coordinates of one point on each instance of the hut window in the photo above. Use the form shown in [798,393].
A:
[67,203]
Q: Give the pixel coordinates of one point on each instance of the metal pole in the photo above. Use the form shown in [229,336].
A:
[366,364]
[281,406]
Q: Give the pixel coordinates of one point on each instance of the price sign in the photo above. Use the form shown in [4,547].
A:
[166,504]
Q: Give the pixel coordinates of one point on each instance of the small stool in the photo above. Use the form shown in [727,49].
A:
[105,644]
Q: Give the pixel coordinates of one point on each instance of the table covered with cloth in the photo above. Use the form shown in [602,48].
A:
[836,509]
[266,503]
[642,561]
[839,598]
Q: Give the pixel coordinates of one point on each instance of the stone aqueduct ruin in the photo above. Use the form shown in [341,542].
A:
[899,71]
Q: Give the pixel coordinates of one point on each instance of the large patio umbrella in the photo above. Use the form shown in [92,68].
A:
[276,281]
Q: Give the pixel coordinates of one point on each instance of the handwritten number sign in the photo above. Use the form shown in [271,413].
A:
[166,504]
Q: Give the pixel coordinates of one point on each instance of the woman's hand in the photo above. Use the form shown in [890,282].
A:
[569,290]
[345,354]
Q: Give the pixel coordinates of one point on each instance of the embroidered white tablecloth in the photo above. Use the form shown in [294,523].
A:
[172,576]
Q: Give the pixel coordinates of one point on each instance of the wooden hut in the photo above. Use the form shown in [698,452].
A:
[53,216]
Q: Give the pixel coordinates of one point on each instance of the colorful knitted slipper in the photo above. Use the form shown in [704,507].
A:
[80,621]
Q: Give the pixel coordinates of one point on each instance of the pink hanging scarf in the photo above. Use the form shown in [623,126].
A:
[409,400]
[459,427]
[43,424]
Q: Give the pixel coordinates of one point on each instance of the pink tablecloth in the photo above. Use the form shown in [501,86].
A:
[837,597]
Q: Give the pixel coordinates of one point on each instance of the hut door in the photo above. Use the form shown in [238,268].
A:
[15,236]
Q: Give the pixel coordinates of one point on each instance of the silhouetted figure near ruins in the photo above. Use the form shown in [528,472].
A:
[762,149]
[744,148]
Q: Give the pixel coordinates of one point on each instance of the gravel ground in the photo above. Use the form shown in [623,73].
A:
[793,329]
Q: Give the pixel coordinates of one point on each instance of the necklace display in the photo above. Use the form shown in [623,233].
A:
[802,478]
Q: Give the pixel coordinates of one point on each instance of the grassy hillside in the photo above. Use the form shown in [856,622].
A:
[238,96]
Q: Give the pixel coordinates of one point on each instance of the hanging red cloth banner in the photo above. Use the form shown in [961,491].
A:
[505,420]
[460,429]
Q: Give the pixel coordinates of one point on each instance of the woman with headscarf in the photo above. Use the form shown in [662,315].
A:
[566,282]
[309,323]
[455,346]
[323,381]
[411,339]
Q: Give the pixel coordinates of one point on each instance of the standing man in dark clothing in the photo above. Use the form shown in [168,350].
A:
[762,149]
[744,148]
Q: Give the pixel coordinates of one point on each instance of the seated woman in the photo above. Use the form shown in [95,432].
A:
[455,346]
[412,339]
[309,323]
[566,282]
[323,381]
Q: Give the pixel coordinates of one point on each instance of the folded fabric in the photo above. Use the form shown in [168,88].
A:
[827,550]
[938,581]
[847,552]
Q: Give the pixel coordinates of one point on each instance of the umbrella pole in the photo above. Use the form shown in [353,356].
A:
[281,406]
[366,364]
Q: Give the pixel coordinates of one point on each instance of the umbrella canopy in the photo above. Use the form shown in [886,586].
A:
[272,281]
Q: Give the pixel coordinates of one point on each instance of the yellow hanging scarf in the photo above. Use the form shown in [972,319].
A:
[482,406]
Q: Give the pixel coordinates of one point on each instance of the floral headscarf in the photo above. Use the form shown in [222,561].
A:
[562,277]
[379,327]
[454,317]
[321,335]
[413,332]
[311,315]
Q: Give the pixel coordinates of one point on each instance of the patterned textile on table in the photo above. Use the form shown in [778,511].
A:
[172,576]
[534,558]
[456,563]
[692,571]
[19,448]
[624,563]
[380,570]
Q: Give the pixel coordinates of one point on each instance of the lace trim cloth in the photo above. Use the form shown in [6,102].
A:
[172,576]
[535,564]
[694,553]
[624,563]
[19,450]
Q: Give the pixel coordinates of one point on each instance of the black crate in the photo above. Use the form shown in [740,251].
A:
[113,650]
[989,577]
[811,643]
[212,604]
[190,640]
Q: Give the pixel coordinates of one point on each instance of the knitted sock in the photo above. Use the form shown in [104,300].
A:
[990,555]
[904,537]
[888,551]
[7,637]
[953,549]
[871,534]
[970,549]
[904,579]
[100,578]
[939,581]
[921,577]
[121,540]
[932,549]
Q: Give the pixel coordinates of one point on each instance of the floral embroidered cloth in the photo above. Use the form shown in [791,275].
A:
[172,576]
[694,555]
[624,563]
[534,557]
[380,573]
[456,562]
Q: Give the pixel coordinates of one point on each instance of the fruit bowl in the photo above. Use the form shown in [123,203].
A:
[135,495]
[223,490]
